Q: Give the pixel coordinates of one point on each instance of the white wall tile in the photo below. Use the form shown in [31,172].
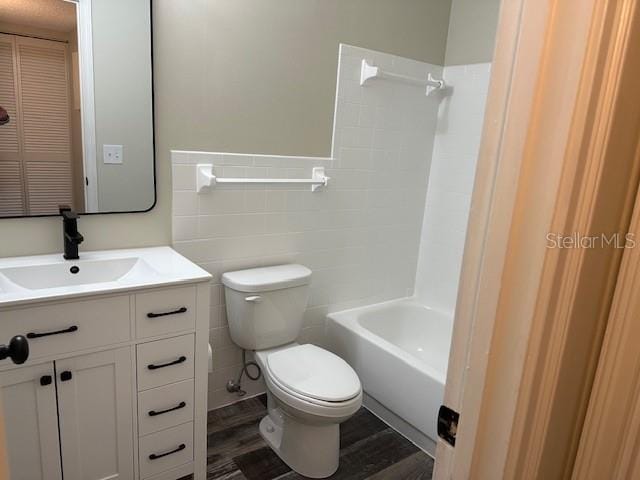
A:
[185,228]
[185,203]
[183,177]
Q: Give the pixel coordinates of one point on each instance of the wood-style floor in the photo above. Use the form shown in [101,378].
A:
[370,450]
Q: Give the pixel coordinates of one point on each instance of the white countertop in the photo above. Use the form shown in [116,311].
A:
[140,267]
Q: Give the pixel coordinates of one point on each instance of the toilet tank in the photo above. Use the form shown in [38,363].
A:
[265,306]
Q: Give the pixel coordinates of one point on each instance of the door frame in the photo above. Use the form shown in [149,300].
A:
[548,163]
[520,40]
[87,104]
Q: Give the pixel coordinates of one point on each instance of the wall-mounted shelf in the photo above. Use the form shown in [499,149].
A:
[206,179]
[369,72]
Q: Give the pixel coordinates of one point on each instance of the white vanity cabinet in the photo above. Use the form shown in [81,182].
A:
[77,410]
[95,415]
[31,422]
[115,385]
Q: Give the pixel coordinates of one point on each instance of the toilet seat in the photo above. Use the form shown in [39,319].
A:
[313,380]
[315,373]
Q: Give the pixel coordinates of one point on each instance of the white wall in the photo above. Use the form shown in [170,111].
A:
[453,166]
[360,236]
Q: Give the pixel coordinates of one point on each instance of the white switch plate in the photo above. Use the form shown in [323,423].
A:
[112,154]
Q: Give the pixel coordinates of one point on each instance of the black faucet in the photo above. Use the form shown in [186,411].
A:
[72,238]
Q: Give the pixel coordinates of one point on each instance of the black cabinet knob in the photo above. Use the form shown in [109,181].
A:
[66,375]
[17,350]
[45,380]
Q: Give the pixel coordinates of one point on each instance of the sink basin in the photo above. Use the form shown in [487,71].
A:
[38,277]
[33,279]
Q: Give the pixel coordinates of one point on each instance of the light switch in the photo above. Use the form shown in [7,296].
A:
[112,154]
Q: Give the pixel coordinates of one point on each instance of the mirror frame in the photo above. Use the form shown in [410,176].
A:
[85,57]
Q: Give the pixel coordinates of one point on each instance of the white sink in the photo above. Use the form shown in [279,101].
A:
[25,279]
[38,277]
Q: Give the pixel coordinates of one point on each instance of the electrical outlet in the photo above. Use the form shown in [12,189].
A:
[112,154]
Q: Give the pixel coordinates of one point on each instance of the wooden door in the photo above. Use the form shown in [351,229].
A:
[31,422]
[36,173]
[12,192]
[43,81]
[531,323]
[610,441]
[96,415]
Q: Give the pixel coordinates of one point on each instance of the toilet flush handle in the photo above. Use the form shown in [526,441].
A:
[253,299]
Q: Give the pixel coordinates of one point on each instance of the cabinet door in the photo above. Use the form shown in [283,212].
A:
[31,422]
[96,415]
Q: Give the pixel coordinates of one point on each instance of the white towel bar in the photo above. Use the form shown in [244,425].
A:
[206,179]
[368,72]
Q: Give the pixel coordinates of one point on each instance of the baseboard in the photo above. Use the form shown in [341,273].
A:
[240,399]
[405,429]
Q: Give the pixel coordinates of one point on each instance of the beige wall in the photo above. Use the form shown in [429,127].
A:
[262,75]
[245,75]
[472,31]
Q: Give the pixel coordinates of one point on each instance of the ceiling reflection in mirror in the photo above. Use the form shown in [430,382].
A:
[76,107]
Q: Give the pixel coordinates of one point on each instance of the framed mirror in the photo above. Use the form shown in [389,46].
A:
[76,107]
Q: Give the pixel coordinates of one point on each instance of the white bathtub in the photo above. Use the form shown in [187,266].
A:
[400,351]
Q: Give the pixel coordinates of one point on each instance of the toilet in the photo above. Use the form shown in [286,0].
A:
[310,390]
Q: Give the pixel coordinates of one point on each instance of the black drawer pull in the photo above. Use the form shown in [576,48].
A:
[175,362]
[66,376]
[155,456]
[153,413]
[46,380]
[32,335]
[174,312]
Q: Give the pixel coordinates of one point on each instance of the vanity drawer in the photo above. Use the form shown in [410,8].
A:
[165,407]
[165,361]
[166,449]
[165,311]
[68,327]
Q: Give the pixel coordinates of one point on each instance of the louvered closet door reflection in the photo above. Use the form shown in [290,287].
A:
[45,103]
[12,200]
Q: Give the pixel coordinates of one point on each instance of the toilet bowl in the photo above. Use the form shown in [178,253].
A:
[310,391]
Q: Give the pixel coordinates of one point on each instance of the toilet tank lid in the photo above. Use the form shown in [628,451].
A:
[267,278]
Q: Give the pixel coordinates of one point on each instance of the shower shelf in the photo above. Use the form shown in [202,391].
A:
[206,179]
[369,72]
